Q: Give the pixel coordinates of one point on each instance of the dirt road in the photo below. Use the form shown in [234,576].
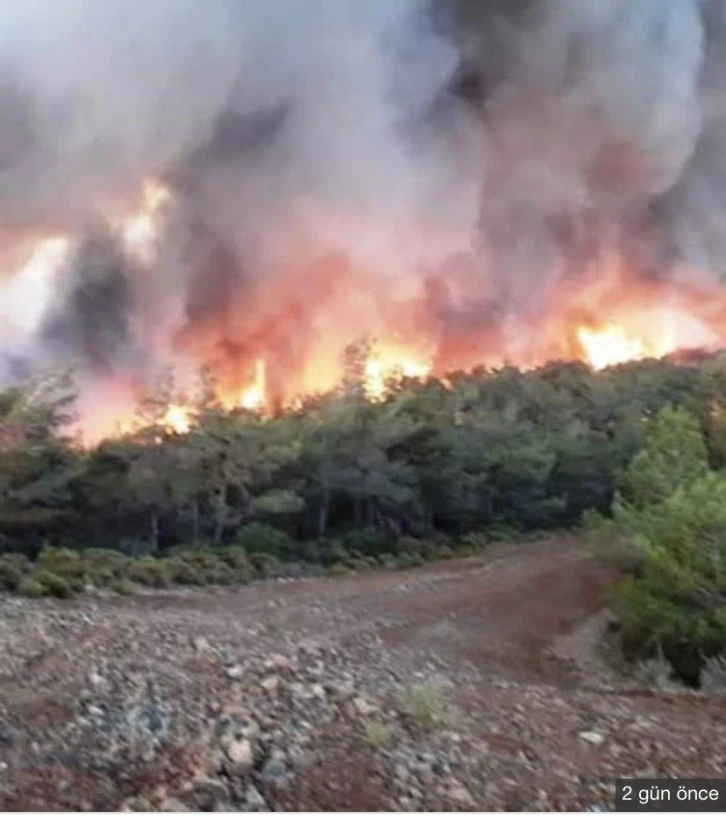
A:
[265,697]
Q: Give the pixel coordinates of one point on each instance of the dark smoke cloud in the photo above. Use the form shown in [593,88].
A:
[540,133]
[91,325]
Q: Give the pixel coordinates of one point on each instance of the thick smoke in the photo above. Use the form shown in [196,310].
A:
[338,167]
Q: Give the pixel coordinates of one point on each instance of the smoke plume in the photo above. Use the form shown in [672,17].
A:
[443,173]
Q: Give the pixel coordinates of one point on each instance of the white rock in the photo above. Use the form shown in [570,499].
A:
[364,707]
[240,752]
[254,800]
[593,737]
[270,684]
[96,679]
[458,793]
[173,805]
[234,672]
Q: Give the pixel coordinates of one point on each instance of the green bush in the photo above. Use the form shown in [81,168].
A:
[409,560]
[613,542]
[674,455]
[29,587]
[104,566]
[200,567]
[150,571]
[367,541]
[65,563]
[378,734]
[335,552]
[426,705]
[13,568]
[185,573]
[339,569]
[476,541]
[428,549]
[677,603]
[122,586]
[265,565]
[262,538]
[54,585]
[240,568]
[501,533]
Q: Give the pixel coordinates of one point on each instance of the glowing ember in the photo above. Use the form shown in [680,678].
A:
[177,419]
[24,298]
[609,345]
[389,362]
[254,397]
[140,230]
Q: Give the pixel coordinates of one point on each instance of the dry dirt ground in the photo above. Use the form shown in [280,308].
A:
[472,683]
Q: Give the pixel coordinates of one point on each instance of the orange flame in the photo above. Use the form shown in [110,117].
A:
[140,229]
[389,361]
[177,419]
[254,396]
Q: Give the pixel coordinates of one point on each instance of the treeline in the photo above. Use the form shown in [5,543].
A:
[342,482]
[486,452]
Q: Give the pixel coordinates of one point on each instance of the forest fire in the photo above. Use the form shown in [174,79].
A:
[627,320]
[496,208]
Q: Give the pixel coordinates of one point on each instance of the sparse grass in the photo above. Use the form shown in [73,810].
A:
[713,675]
[123,586]
[476,542]
[655,673]
[54,585]
[13,568]
[31,588]
[426,705]
[378,734]
[339,569]
[149,571]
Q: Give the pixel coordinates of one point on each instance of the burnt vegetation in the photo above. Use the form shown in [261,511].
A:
[433,469]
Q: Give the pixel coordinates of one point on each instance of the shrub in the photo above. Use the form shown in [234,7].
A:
[185,573]
[713,675]
[425,704]
[103,566]
[262,538]
[199,567]
[122,586]
[265,565]
[29,587]
[13,568]
[377,734]
[367,541]
[313,551]
[65,563]
[335,552]
[612,542]
[476,541]
[339,569]
[673,456]
[409,560]
[150,571]
[388,561]
[54,585]
[428,549]
[656,673]
[240,568]
[502,533]
[677,601]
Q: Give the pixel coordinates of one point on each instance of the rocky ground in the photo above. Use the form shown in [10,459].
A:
[469,684]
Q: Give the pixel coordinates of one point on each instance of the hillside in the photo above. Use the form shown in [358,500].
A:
[475,682]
